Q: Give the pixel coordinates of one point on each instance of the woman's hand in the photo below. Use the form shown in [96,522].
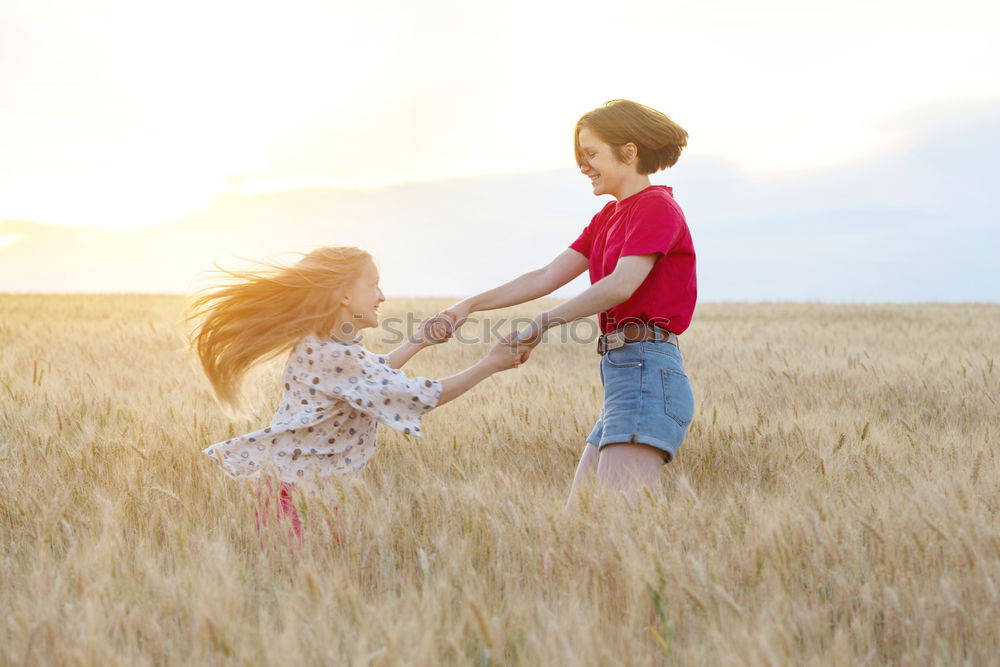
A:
[456,315]
[525,340]
[521,349]
[434,330]
[503,356]
[530,336]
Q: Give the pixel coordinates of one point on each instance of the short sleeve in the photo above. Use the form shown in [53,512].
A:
[585,242]
[367,382]
[654,227]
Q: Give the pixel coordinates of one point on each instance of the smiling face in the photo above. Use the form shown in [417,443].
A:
[599,162]
[359,306]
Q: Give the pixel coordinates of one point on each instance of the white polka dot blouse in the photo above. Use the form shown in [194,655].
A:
[335,395]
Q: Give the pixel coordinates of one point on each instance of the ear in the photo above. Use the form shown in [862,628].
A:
[630,151]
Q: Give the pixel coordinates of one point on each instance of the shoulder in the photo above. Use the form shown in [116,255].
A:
[657,201]
[314,346]
[364,355]
[351,354]
[313,350]
[357,355]
[656,196]
[606,211]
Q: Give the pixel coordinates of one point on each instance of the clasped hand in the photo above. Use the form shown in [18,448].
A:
[443,326]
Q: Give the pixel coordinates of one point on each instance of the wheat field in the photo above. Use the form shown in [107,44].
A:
[836,502]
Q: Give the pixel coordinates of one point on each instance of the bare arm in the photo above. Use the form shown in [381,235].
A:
[424,337]
[606,293]
[454,386]
[500,358]
[531,285]
[398,357]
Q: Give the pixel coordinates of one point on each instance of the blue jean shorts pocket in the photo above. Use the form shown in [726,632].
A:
[627,356]
[678,399]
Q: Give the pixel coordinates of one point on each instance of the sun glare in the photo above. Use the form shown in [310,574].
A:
[10,239]
[122,197]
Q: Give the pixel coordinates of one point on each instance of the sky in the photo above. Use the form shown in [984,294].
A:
[122,115]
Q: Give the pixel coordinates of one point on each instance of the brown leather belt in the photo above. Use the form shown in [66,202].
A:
[634,333]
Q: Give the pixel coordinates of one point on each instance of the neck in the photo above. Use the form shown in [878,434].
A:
[633,185]
[345,332]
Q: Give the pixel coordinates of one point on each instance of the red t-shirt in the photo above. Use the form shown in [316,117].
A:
[649,221]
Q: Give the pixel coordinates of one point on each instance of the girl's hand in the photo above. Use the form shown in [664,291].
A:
[524,341]
[434,330]
[529,337]
[456,315]
[503,356]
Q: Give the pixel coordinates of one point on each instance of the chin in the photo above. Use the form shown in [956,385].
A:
[366,323]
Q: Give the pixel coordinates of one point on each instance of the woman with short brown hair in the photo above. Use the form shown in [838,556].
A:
[641,260]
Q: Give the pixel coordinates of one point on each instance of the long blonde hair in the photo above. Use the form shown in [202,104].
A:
[260,313]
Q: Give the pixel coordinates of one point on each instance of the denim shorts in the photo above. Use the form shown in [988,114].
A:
[647,397]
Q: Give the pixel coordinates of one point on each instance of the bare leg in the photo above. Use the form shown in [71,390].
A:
[627,467]
[585,471]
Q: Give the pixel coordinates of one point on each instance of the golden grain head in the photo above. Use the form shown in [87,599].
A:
[836,502]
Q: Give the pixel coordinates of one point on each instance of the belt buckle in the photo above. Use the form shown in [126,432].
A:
[614,340]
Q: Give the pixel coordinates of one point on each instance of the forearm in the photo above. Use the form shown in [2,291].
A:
[456,385]
[599,297]
[398,357]
[526,287]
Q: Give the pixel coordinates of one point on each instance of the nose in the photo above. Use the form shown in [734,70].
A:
[381,296]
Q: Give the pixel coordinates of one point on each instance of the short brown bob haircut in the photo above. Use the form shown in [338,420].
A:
[619,122]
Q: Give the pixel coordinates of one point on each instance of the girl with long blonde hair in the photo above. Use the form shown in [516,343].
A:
[335,390]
